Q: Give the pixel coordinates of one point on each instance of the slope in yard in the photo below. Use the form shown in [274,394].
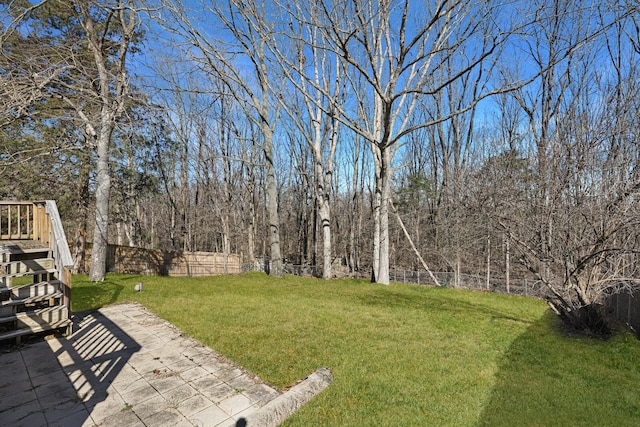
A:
[400,354]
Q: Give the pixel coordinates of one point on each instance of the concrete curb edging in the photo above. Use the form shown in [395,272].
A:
[276,411]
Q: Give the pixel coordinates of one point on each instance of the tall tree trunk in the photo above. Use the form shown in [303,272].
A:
[80,248]
[275,268]
[184,194]
[507,261]
[226,245]
[322,188]
[103,190]
[385,197]
[377,202]
[112,82]
[250,224]
[356,211]
[325,222]
[82,210]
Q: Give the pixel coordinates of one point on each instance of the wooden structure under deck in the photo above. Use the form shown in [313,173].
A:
[35,270]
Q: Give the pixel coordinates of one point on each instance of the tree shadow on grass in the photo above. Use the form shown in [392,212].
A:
[92,296]
[438,301]
[550,378]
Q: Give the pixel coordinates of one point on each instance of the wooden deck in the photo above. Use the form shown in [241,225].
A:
[21,246]
[35,274]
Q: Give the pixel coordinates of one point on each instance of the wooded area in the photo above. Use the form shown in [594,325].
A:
[494,138]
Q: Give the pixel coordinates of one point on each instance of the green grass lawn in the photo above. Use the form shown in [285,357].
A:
[401,355]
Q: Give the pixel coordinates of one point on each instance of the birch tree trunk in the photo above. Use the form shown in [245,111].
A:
[275,267]
[377,208]
[317,77]
[391,59]
[354,214]
[382,275]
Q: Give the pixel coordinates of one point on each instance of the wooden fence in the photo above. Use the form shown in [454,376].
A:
[125,259]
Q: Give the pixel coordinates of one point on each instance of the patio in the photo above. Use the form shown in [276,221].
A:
[124,366]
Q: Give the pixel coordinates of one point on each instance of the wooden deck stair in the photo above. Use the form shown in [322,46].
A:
[35,262]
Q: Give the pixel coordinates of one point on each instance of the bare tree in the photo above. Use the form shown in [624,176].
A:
[244,64]
[576,188]
[318,76]
[185,100]
[396,47]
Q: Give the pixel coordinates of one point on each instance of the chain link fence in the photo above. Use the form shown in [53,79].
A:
[525,287]
[449,279]
[623,305]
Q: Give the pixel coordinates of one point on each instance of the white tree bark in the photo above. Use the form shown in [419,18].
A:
[316,75]
[112,106]
[391,59]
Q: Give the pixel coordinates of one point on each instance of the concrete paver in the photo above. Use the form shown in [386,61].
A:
[124,366]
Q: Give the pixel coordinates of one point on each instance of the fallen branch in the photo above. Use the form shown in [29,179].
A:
[406,233]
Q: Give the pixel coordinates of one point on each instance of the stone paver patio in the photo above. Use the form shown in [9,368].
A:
[124,366]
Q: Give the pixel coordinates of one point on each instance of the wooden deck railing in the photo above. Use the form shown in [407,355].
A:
[16,220]
[39,221]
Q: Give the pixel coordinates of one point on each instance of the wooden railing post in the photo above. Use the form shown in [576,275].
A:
[66,282]
[56,238]
[16,220]
[42,228]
